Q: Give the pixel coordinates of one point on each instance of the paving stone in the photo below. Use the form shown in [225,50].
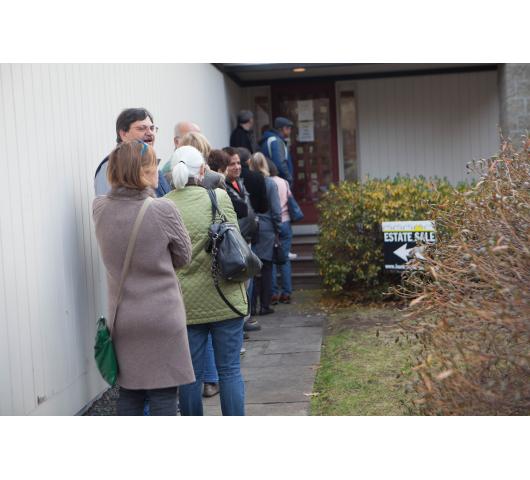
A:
[293,346]
[268,409]
[278,368]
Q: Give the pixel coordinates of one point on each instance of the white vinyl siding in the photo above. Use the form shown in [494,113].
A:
[426,125]
[57,122]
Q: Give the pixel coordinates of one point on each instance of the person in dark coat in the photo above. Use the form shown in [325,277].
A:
[220,161]
[243,135]
[269,232]
[254,182]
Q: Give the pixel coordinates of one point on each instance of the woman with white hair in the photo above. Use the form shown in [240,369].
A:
[206,312]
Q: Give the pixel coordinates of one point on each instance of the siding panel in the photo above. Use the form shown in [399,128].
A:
[57,122]
[427,125]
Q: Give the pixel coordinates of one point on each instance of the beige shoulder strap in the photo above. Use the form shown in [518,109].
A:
[128,255]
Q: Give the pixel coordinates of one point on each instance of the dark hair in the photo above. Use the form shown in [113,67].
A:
[218,160]
[272,168]
[231,151]
[129,116]
[244,154]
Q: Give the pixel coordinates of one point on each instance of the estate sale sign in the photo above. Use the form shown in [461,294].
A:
[401,242]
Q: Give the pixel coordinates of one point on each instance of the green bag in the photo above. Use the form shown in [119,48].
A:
[104,352]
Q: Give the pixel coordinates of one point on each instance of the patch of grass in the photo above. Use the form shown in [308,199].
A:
[363,371]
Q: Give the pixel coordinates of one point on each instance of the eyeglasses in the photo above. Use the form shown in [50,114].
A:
[144,128]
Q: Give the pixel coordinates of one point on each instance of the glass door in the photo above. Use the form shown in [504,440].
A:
[313,143]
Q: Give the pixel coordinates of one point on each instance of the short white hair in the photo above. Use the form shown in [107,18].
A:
[186,162]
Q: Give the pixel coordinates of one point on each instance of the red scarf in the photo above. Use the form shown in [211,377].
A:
[235,185]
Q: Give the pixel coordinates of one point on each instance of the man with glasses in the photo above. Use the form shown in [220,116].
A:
[131,124]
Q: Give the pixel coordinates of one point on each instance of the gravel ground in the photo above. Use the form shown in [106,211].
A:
[105,405]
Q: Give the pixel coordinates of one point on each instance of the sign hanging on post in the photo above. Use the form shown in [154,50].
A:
[401,241]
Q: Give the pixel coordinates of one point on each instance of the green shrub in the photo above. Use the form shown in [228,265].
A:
[350,248]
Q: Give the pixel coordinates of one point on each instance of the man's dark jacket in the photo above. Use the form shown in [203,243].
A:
[243,138]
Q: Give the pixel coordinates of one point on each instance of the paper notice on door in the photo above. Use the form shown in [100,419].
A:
[305,110]
[306,131]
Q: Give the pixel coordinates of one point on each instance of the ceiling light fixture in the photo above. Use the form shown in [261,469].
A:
[299,70]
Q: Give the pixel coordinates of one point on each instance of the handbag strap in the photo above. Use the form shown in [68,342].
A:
[215,206]
[227,302]
[128,256]
[215,265]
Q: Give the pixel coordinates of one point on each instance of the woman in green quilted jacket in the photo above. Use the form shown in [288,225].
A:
[206,312]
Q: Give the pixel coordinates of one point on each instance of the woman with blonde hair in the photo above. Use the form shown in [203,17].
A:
[269,231]
[208,178]
[147,316]
[197,140]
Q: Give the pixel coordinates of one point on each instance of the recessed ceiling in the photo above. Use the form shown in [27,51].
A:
[253,73]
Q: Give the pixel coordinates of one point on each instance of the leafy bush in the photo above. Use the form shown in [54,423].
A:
[350,248]
[471,304]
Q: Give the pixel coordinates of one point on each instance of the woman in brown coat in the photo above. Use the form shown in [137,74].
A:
[149,334]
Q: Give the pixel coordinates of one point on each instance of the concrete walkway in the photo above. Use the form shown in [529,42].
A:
[280,364]
[278,367]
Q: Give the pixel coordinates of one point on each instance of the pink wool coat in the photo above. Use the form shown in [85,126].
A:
[150,335]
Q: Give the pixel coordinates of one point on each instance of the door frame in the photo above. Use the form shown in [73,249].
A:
[310,87]
[341,86]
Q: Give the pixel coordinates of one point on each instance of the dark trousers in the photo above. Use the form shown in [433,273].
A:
[263,287]
[162,401]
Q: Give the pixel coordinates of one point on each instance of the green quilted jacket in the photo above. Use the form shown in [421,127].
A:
[203,303]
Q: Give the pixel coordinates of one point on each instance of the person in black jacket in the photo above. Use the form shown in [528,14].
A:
[243,135]
[219,161]
[253,181]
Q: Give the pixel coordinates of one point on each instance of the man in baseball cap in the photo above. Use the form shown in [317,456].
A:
[274,146]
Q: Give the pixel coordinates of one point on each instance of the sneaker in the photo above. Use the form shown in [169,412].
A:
[292,256]
[285,298]
[275,299]
[242,351]
[210,390]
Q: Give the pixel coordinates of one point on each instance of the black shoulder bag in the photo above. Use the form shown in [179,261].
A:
[232,258]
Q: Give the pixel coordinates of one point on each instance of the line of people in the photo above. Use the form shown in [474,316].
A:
[172,329]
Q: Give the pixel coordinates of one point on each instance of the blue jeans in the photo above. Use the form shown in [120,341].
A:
[286,237]
[210,370]
[227,339]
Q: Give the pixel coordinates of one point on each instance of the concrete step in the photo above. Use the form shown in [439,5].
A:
[304,268]
[305,239]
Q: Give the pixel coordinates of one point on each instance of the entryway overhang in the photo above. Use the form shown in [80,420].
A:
[253,74]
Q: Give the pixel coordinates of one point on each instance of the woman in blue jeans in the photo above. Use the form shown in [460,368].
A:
[206,312]
[283,292]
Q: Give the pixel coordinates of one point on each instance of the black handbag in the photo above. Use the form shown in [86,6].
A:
[278,255]
[249,225]
[232,258]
